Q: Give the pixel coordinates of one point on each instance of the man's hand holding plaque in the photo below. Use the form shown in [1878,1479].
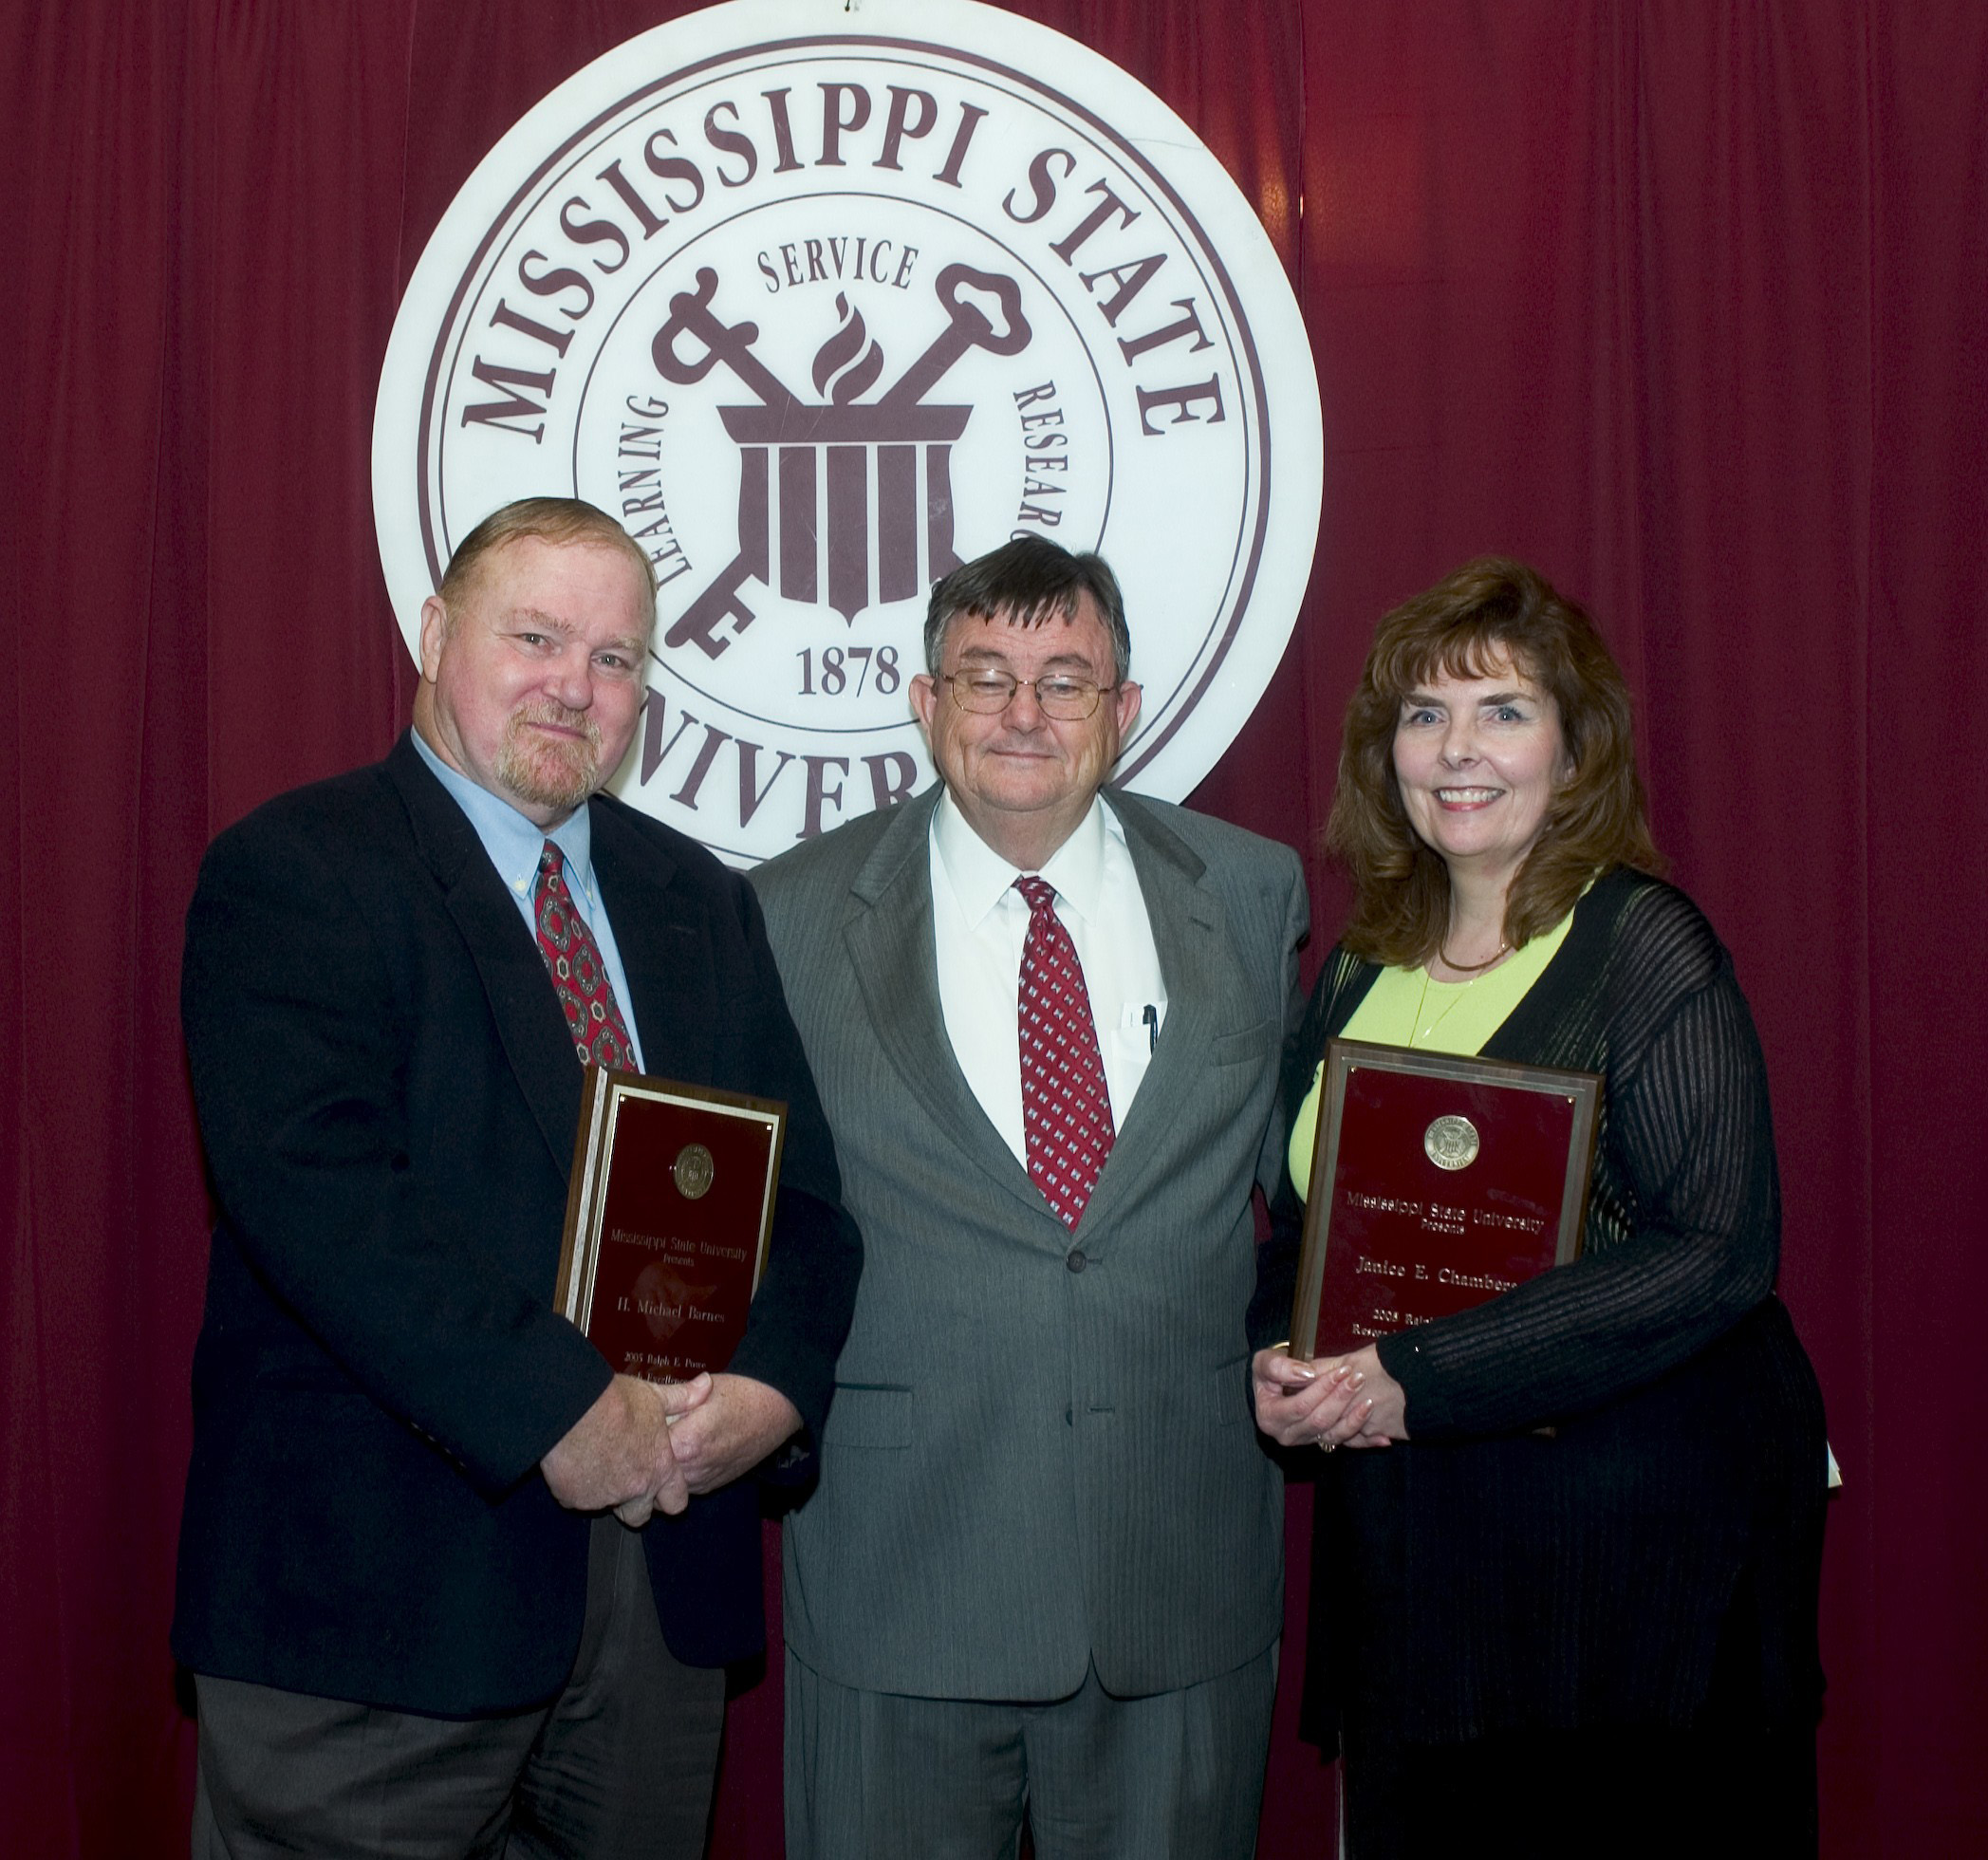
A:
[668,1218]
[621,1454]
[724,1438]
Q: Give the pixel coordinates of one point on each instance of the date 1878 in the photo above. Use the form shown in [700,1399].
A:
[834,669]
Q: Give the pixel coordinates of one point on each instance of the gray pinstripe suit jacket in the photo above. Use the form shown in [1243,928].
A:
[1040,1450]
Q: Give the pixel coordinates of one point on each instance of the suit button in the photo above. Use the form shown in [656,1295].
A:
[1074,1259]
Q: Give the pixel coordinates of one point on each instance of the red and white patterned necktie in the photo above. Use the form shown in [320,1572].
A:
[1066,1105]
[592,1015]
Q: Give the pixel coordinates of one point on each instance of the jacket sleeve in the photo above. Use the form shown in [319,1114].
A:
[1688,1146]
[1277,1257]
[1296,909]
[298,1040]
[807,1296]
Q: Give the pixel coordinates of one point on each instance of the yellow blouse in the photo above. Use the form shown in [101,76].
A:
[1406,1007]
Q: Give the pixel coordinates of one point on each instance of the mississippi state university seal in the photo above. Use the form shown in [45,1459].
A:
[1451,1143]
[821,302]
[693,1172]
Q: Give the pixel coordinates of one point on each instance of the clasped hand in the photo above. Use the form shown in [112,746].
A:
[1349,1401]
[645,1447]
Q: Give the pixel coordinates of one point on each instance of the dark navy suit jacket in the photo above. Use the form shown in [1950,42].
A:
[388,1096]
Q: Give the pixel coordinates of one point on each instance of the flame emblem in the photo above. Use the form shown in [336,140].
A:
[844,360]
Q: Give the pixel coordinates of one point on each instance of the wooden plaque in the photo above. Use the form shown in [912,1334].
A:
[1438,1181]
[668,1218]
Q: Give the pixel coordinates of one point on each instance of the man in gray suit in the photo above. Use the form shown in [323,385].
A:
[1041,1576]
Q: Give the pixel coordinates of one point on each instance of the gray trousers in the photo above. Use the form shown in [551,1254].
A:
[618,1767]
[1177,1776]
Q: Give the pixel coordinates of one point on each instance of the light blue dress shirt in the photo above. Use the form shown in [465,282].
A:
[515,844]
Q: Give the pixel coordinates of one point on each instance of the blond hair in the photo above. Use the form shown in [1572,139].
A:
[558,520]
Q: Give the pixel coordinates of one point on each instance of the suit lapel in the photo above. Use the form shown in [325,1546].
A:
[531,1027]
[670,985]
[889,935]
[1194,956]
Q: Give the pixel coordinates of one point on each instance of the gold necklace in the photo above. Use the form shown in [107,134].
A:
[1419,1033]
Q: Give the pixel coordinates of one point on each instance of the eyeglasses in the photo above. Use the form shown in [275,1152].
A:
[988,692]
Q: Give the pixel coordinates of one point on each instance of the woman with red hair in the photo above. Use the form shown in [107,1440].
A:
[1570,1607]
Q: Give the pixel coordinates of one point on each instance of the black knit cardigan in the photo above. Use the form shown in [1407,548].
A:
[1665,1540]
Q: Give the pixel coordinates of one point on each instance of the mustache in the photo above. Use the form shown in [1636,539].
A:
[549,710]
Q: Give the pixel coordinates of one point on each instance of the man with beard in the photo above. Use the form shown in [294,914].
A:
[420,1587]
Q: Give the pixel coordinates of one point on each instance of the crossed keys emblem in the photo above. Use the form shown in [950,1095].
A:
[841,467]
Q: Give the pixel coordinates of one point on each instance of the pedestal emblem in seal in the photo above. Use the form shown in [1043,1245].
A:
[820,301]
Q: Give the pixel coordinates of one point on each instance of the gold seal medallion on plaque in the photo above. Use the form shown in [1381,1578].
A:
[1450,1143]
[693,1170]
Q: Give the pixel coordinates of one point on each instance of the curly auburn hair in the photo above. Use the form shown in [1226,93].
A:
[1491,612]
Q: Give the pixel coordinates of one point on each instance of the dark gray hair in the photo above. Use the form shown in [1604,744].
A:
[1026,580]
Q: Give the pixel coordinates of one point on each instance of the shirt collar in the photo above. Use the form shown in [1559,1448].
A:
[513,842]
[981,877]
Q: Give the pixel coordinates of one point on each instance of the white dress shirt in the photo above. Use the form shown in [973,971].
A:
[979,922]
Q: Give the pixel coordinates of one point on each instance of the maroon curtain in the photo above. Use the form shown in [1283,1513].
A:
[1685,302]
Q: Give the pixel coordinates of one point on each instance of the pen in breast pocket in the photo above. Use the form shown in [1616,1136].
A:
[1150,1014]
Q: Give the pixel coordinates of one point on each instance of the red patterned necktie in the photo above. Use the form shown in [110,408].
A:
[1066,1106]
[592,1013]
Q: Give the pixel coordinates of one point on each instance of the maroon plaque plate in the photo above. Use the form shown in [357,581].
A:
[1438,1181]
[667,1223]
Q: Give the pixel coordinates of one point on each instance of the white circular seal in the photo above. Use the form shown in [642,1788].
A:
[820,303]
